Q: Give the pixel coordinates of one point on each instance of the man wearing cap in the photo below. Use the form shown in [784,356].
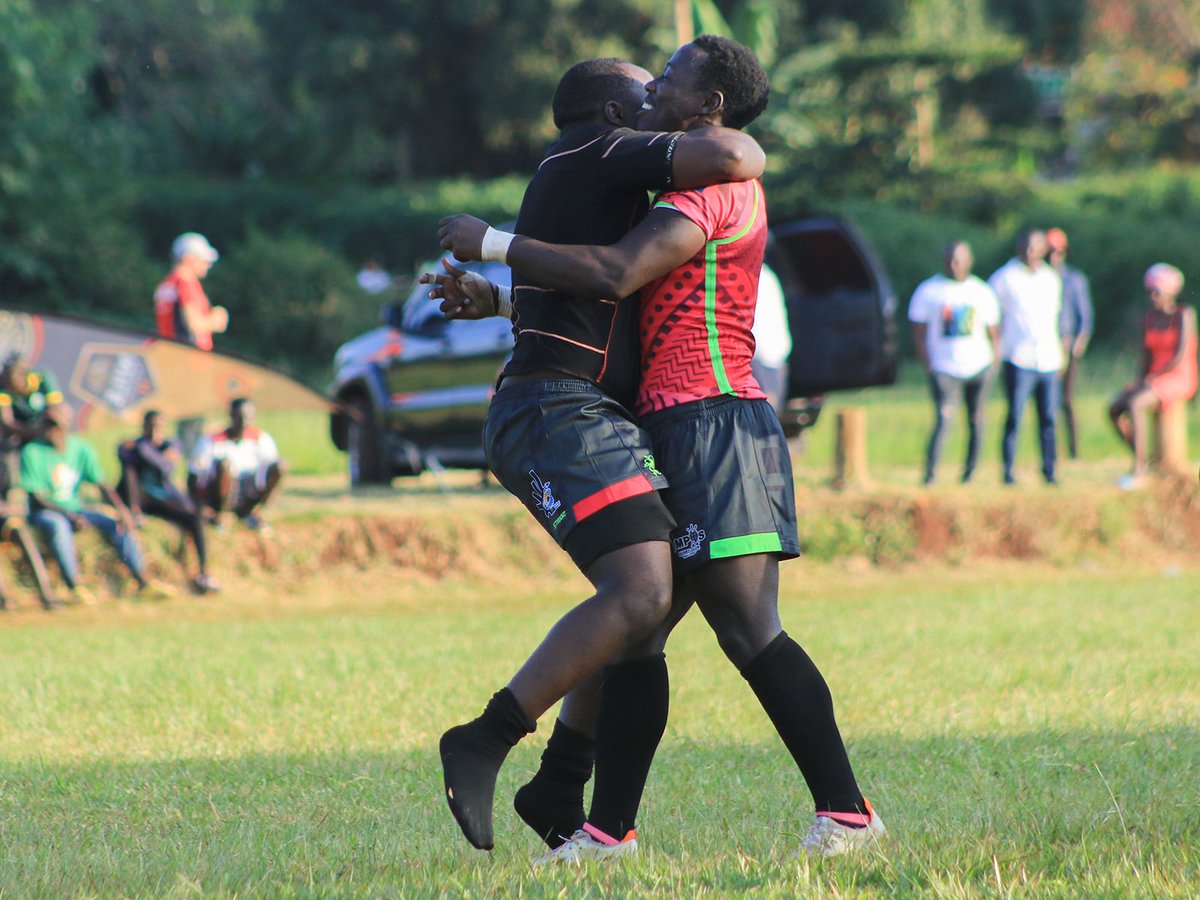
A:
[1075,325]
[181,307]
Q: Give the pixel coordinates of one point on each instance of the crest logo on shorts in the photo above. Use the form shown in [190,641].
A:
[649,465]
[688,544]
[543,495]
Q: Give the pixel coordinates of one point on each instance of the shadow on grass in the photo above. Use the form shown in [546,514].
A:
[724,815]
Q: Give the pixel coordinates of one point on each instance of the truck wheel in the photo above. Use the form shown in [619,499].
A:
[367,465]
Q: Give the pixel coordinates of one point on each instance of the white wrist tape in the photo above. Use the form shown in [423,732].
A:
[495,245]
[504,304]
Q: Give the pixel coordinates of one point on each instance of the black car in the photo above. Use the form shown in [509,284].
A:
[413,393]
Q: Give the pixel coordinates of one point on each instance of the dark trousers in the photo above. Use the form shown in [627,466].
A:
[948,391]
[1019,384]
[184,515]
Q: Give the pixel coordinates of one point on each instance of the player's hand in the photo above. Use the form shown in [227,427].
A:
[220,319]
[465,295]
[463,236]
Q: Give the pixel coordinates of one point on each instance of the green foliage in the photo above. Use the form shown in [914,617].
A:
[289,292]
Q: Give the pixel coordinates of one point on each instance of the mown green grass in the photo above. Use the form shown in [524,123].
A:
[1024,731]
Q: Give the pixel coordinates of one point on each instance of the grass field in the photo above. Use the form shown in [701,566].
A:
[1026,728]
[1024,731]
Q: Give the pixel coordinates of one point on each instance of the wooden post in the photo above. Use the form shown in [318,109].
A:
[1170,437]
[850,456]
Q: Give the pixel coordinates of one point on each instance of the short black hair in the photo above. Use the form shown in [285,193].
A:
[735,71]
[237,405]
[586,87]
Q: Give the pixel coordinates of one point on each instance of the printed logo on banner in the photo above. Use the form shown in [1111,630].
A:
[117,377]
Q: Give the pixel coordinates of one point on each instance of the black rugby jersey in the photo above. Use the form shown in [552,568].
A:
[590,189]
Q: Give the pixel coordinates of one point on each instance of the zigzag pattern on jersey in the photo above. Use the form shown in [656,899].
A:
[681,366]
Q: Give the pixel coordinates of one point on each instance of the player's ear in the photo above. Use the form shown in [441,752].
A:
[713,103]
[614,113]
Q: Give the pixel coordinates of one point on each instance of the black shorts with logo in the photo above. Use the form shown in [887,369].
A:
[583,469]
[731,480]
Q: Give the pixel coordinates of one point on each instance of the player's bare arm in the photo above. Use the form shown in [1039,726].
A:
[663,241]
[713,154]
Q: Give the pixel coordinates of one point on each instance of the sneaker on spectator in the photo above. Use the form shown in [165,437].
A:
[206,584]
[155,590]
[590,843]
[829,837]
[83,595]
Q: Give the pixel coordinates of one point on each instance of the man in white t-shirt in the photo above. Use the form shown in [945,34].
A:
[772,340]
[237,469]
[956,329]
[1030,293]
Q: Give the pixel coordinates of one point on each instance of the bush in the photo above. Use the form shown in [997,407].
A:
[291,301]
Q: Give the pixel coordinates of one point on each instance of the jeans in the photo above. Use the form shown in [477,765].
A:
[947,391]
[61,535]
[1019,384]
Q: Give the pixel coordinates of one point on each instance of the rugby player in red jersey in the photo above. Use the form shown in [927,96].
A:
[696,257]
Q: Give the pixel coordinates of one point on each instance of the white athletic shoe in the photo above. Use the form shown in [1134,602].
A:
[589,843]
[828,837]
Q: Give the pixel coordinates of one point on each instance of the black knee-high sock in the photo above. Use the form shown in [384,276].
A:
[552,802]
[629,724]
[795,697]
[471,758]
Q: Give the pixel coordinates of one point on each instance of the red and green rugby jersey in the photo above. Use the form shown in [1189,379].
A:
[696,320]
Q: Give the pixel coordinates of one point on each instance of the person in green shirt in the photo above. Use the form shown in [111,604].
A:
[53,469]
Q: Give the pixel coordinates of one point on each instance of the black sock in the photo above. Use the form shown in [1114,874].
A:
[471,758]
[796,699]
[552,802]
[629,724]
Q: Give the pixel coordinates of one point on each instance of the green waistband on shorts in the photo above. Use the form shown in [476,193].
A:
[745,545]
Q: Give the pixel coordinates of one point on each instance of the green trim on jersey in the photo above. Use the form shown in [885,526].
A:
[710,299]
[747,544]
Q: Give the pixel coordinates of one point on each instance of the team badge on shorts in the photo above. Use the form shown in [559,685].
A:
[543,496]
[688,544]
[649,465]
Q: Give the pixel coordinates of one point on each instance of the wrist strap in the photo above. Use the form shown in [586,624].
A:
[504,304]
[495,245]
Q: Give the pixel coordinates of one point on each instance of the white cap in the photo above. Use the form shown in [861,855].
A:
[193,244]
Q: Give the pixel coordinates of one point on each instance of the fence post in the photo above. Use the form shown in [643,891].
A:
[850,457]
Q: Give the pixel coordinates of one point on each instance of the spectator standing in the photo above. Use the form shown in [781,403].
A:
[1030,295]
[1075,326]
[238,468]
[1169,370]
[955,320]
[147,466]
[181,307]
[772,340]
[53,469]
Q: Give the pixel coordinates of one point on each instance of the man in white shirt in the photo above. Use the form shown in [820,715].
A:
[1030,293]
[956,329]
[772,340]
[238,468]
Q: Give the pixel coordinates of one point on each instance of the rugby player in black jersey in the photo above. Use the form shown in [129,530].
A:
[560,438]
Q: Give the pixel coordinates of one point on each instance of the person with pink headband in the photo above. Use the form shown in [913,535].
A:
[1169,369]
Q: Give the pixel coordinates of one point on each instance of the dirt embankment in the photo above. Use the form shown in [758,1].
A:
[493,538]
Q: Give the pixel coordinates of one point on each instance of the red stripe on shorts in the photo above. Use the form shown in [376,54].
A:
[622,490]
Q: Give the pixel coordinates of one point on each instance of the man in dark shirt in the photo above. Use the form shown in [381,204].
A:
[26,398]
[147,466]
[560,438]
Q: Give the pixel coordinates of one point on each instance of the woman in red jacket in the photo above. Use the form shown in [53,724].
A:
[1168,366]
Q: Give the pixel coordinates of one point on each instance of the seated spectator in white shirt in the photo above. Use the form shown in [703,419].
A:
[237,469]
